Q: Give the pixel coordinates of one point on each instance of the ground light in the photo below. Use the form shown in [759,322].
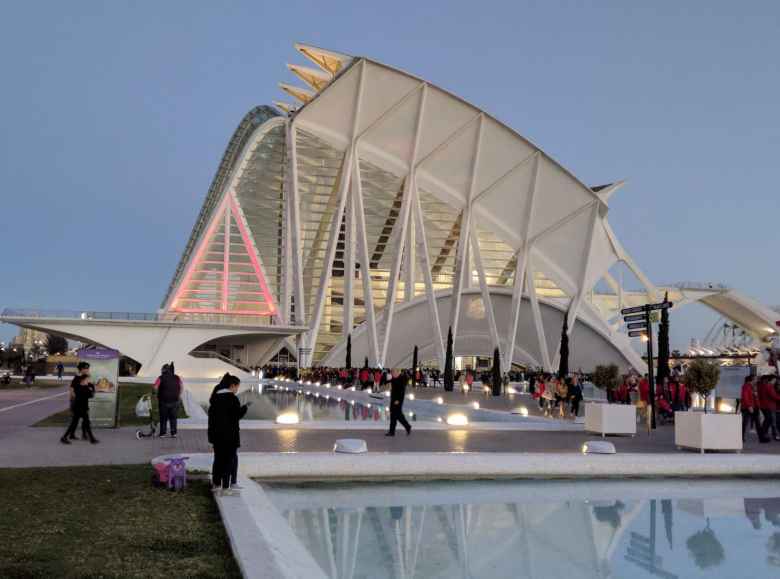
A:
[598,447]
[457,420]
[410,396]
[475,405]
[439,400]
[522,411]
[288,418]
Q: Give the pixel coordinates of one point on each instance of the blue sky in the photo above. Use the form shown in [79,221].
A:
[115,115]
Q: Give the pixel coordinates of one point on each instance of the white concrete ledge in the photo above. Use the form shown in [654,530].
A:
[490,465]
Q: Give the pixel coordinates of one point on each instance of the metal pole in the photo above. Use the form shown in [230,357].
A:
[650,377]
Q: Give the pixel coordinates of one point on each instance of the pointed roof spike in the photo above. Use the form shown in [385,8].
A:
[286,107]
[604,192]
[327,60]
[314,77]
[302,94]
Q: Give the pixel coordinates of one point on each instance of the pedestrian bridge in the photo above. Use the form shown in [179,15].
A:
[152,339]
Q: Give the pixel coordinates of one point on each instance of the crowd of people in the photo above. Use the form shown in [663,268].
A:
[759,404]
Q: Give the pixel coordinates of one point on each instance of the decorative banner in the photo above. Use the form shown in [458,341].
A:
[104,372]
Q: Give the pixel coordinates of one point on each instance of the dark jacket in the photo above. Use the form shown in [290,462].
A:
[169,387]
[83,394]
[398,390]
[224,413]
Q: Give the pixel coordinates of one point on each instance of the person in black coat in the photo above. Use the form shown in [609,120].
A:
[225,411]
[83,390]
[397,395]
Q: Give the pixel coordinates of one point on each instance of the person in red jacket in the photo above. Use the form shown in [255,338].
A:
[768,400]
[622,394]
[749,405]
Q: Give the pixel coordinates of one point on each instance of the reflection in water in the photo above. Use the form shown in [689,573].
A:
[541,529]
[271,403]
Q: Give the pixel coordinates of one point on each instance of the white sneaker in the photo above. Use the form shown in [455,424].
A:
[236,487]
[231,492]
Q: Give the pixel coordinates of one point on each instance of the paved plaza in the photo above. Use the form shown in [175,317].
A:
[22,445]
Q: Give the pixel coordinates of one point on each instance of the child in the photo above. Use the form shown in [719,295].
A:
[223,432]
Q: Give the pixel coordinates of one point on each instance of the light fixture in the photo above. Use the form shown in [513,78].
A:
[475,405]
[439,419]
[511,390]
[522,411]
[410,396]
[598,447]
[439,400]
[288,418]
[457,420]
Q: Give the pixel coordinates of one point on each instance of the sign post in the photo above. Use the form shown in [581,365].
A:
[104,371]
[639,323]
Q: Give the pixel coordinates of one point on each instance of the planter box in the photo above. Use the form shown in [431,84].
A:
[708,431]
[610,418]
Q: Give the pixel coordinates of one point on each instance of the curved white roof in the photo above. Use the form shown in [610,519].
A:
[466,158]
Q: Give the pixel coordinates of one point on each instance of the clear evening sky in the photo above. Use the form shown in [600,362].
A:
[114,116]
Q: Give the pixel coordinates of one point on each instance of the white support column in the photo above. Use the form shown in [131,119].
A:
[462,264]
[226,256]
[410,263]
[349,268]
[330,251]
[286,273]
[521,266]
[364,259]
[395,269]
[483,285]
[350,158]
[295,231]
[537,315]
[422,251]
[574,307]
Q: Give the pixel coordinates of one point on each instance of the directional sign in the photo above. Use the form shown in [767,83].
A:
[637,326]
[634,310]
[647,308]
[635,318]
[661,306]
[637,334]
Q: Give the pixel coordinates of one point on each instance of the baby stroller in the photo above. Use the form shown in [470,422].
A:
[143,409]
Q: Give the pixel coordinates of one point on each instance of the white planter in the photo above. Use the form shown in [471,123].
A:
[610,418]
[708,431]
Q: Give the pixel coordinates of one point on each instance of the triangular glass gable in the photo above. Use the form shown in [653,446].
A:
[226,275]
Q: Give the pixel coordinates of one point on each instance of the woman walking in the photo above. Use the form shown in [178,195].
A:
[225,411]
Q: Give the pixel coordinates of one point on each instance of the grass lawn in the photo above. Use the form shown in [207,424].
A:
[17,384]
[129,394]
[108,521]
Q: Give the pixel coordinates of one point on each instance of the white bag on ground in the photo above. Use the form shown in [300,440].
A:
[143,408]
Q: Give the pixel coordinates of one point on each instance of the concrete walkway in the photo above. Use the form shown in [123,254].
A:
[23,446]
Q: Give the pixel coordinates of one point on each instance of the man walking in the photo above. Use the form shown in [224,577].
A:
[81,370]
[168,387]
[397,395]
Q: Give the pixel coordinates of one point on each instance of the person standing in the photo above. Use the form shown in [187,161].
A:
[60,370]
[225,412]
[397,395]
[575,394]
[768,400]
[749,407]
[168,387]
[84,390]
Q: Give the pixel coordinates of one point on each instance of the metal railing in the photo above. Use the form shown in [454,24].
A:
[226,319]
[218,356]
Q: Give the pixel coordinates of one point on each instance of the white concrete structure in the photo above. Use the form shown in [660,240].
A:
[702,431]
[387,208]
[610,418]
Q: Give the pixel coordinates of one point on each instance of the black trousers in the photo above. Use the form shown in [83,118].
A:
[770,422]
[168,412]
[86,426]
[225,466]
[749,419]
[397,415]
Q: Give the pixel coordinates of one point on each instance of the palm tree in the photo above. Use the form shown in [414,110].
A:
[448,378]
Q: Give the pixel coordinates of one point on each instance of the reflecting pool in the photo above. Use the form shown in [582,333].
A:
[538,529]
